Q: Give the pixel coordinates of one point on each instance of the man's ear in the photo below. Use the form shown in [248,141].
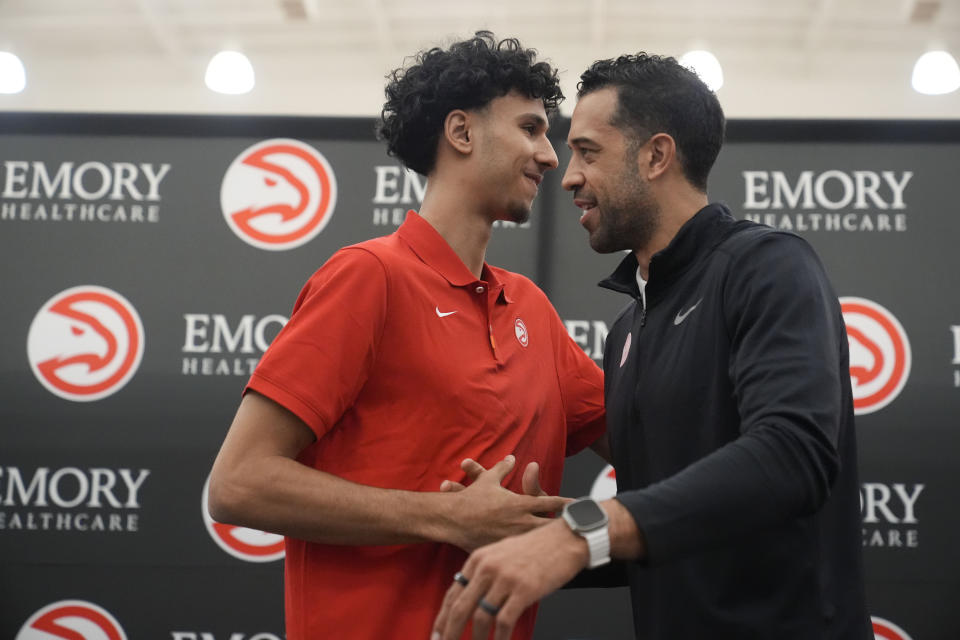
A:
[660,153]
[457,131]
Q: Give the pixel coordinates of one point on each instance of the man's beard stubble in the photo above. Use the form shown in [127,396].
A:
[630,218]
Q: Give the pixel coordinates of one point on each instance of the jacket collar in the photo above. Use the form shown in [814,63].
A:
[696,238]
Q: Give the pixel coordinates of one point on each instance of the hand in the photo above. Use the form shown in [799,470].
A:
[485,512]
[511,574]
[530,481]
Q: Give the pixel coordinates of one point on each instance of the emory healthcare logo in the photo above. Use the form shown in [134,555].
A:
[71,620]
[85,343]
[879,354]
[246,544]
[886,630]
[278,194]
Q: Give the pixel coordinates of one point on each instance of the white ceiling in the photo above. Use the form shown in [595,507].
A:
[781,58]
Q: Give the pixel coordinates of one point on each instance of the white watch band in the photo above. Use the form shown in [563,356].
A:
[598,541]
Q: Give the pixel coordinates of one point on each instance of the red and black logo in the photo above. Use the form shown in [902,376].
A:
[886,630]
[71,620]
[879,354]
[278,194]
[246,544]
[605,486]
[85,343]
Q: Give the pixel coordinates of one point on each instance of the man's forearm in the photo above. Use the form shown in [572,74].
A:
[288,498]
[280,495]
[626,538]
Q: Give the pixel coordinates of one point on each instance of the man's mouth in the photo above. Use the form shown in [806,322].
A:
[583,203]
[535,177]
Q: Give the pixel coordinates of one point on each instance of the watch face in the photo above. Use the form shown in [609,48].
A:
[586,513]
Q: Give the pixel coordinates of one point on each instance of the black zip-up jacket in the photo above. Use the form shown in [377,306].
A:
[730,417]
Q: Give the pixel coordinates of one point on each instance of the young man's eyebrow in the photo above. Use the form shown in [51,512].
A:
[537,118]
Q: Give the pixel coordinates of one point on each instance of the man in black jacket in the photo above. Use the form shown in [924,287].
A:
[728,397]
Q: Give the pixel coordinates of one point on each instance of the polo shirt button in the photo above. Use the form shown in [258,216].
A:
[479,289]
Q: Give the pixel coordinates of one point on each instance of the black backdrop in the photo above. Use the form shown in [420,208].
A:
[135,301]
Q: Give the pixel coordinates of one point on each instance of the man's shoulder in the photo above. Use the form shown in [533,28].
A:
[385,247]
[516,283]
[746,234]
[383,250]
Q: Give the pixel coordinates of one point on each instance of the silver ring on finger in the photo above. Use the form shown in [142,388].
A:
[489,608]
[461,579]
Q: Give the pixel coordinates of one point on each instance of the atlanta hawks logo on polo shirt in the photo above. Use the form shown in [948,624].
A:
[72,620]
[886,630]
[879,354]
[85,343]
[250,545]
[278,194]
[520,330]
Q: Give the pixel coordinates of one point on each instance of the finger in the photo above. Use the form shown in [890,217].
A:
[484,620]
[510,612]
[472,468]
[462,606]
[531,480]
[440,621]
[502,469]
[449,486]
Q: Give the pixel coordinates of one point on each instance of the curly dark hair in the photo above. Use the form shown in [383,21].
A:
[656,94]
[468,75]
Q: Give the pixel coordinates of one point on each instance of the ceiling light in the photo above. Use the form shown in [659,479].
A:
[705,65]
[13,78]
[936,73]
[230,72]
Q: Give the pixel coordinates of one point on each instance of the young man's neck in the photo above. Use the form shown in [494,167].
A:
[466,229]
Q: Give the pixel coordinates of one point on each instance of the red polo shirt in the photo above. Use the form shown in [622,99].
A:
[404,363]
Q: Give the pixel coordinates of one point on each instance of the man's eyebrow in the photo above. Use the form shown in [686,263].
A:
[579,141]
[537,118]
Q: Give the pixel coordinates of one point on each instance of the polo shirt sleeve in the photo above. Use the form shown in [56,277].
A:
[581,389]
[321,359]
[785,329]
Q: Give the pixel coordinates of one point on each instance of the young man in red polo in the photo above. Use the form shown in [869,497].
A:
[405,355]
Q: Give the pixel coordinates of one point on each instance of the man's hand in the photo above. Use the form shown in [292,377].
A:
[506,577]
[485,512]
[530,481]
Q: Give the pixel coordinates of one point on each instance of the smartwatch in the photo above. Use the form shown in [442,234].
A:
[588,520]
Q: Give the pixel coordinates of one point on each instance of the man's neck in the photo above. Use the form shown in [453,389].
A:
[466,229]
[673,215]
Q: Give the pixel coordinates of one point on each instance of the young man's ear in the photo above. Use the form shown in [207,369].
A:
[457,131]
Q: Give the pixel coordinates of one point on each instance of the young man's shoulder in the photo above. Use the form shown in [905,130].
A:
[516,281]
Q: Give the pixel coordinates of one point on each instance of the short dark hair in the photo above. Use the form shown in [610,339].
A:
[656,94]
[468,75]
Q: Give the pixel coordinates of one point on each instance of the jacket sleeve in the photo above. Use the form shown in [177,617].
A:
[785,332]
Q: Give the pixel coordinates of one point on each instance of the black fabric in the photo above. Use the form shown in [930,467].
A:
[730,417]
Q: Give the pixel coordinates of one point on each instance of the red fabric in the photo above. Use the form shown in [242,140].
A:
[398,395]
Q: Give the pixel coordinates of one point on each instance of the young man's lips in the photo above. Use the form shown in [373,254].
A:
[584,204]
[536,177]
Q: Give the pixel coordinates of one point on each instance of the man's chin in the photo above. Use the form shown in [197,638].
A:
[518,215]
[603,244]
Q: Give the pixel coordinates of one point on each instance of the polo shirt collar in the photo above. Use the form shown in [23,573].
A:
[429,245]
